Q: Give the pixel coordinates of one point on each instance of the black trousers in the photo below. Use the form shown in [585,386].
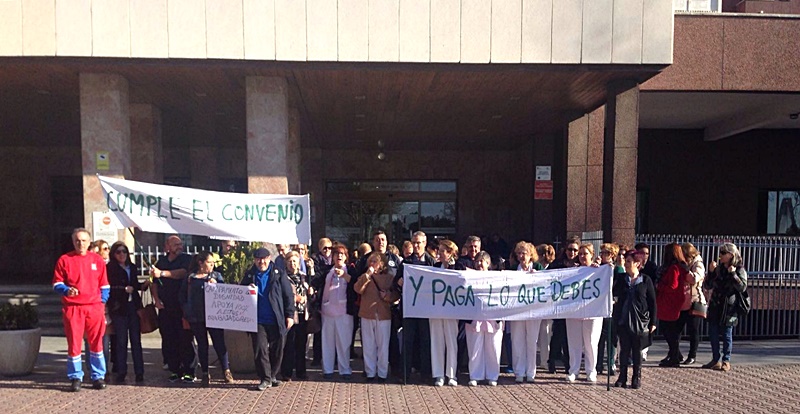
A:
[268,351]
[294,351]
[395,357]
[559,348]
[602,353]
[692,324]
[672,333]
[176,342]
[201,334]
[417,345]
[630,346]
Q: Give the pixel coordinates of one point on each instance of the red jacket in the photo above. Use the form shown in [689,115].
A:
[85,273]
[669,293]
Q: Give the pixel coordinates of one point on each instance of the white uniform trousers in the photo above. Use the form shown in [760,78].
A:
[375,345]
[337,332]
[524,337]
[484,353]
[583,336]
[545,333]
[444,347]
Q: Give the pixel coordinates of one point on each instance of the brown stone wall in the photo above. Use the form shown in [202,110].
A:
[736,53]
[699,187]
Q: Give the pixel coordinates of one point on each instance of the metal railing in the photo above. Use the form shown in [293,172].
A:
[150,254]
[773,269]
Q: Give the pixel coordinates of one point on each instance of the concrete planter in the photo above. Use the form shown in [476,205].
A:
[240,352]
[20,350]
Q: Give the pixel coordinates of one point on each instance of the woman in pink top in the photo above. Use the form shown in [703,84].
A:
[337,325]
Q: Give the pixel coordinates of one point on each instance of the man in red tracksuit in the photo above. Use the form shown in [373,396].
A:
[80,276]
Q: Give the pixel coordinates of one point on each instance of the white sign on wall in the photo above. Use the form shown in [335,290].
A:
[104,226]
[232,307]
[543,173]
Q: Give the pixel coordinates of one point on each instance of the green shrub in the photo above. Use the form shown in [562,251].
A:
[237,261]
[17,317]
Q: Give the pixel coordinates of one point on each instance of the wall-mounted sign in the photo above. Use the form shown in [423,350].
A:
[543,190]
[102,160]
[543,173]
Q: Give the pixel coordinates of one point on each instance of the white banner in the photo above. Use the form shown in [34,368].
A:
[231,307]
[580,292]
[157,208]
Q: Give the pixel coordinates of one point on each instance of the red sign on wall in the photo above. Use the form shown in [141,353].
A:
[543,190]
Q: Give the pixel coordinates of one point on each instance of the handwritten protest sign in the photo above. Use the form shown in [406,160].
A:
[157,208]
[231,307]
[581,292]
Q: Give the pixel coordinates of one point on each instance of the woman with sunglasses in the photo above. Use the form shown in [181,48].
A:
[123,303]
[726,280]
[559,346]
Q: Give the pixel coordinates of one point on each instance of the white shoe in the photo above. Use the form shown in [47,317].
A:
[592,377]
[529,379]
[439,382]
[492,383]
[520,379]
[452,382]
[571,378]
[644,354]
[472,383]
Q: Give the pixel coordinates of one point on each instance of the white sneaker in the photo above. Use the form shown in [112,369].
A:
[492,383]
[644,354]
[439,382]
[571,378]
[520,379]
[472,383]
[592,377]
[452,382]
[529,379]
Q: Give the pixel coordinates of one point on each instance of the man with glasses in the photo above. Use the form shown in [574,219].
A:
[416,331]
[80,277]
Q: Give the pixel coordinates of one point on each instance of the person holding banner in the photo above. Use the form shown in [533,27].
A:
[634,316]
[377,292]
[337,324]
[559,346]
[484,339]
[192,299]
[583,335]
[275,316]
[525,334]
[444,332]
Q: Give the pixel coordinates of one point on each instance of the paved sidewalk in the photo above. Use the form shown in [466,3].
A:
[765,379]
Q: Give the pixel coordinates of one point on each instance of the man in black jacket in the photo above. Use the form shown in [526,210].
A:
[416,331]
[275,316]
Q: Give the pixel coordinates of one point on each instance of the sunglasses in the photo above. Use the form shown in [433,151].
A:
[106,248]
[572,250]
[121,251]
[327,248]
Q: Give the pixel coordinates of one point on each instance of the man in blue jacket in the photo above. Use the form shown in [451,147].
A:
[275,316]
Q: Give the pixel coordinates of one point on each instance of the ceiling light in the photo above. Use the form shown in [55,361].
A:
[794,116]
[359,97]
[515,98]
[497,116]
[200,94]
[482,130]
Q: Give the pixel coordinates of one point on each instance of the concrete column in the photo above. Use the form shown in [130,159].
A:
[267,135]
[105,130]
[293,152]
[620,162]
[147,154]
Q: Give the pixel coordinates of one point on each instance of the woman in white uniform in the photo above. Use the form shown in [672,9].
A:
[484,339]
[583,335]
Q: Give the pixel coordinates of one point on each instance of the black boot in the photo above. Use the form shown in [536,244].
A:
[622,381]
[636,382]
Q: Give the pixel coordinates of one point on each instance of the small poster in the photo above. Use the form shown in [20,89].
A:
[231,307]
[102,161]
[105,226]
[543,173]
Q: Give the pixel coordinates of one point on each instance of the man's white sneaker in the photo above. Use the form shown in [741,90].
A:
[452,382]
[439,382]
[571,378]
[472,383]
[492,383]
[520,379]
[592,377]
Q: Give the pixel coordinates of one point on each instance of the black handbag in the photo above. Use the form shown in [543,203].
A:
[742,303]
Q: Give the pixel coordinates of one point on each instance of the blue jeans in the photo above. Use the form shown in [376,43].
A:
[727,341]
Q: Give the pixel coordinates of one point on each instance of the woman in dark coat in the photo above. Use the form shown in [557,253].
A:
[728,281]
[634,316]
[123,302]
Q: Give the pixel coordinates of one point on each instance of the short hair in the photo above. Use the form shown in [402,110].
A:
[296,248]
[406,244]
[472,239]
[419,234]
[546,252]
[611,248]
[449,246]
[392,248]
[587,246]
[636,255]
[641,245]
[80,230]
[529,248]
[364,248]
[483,256]
[340,248]
[573,239]
[322,241]
[290,254]
[100,243]
[378,233]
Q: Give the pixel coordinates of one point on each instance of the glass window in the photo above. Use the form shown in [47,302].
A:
[438,217]
[783,212]
[438,186]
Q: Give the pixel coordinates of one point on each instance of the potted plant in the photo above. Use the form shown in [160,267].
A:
[240,347]
[20,338]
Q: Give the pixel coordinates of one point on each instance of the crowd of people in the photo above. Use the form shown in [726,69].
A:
[335,292]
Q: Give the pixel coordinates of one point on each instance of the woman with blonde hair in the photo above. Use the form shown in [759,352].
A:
[728,282]
[525,334]
[444,332]
[377,295]
[694,300]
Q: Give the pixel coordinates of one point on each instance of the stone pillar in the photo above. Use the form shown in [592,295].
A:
[105,128]
[267,135]
[147,155]
[293,152]
[585,173]
[620,162]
